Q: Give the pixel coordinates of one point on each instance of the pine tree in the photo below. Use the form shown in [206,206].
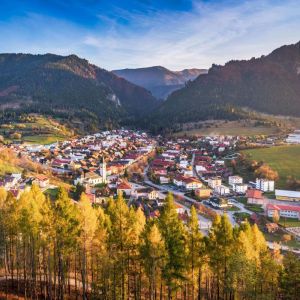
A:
[33,208]
[119,215]
[88,225]
[195,251]
[70,249]
[174,234]
[153,254]
[9,225]
[220,252]
[290,277]
[66,237]
[100,256]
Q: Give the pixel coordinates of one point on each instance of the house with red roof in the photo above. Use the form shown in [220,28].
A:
[162,163]
[41,180]
[60,163]
[159,171]
[179,208]
[124,187]
[191,183]
[255,197]
[287,211]
[178,180]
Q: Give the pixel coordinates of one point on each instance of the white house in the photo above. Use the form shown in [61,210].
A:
[164,180]
[222,190]
[191,183]
[214,182]
[265,185]
[188,173]
[145,192]
[183,164]
[178,180]
[200,168]
[294,138]
[90,178]
[235,180]
[240,188]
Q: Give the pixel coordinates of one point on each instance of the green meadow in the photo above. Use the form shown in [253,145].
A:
[284,159]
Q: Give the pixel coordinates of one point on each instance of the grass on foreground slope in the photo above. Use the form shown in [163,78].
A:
[9,163]
[6,167]
[284,159]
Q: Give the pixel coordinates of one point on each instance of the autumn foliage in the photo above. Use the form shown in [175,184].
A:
[72,250]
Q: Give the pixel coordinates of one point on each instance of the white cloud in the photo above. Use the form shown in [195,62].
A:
[210,33]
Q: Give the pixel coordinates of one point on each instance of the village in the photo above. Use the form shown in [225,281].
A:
[143,169]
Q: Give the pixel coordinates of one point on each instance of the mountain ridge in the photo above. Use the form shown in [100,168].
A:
[69,85]
[269,84]
[158,79]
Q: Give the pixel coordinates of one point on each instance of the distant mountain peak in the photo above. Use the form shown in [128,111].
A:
[158,79]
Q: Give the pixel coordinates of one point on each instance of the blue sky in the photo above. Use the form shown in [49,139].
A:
[174,33]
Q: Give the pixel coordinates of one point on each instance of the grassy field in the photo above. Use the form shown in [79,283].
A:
[36,129]
[43,139]
[277,237]
[230,128]
[284,159]
[289,222]
[255,208]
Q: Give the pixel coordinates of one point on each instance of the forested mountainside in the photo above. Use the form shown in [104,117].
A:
[159,80]
[69,87]
[269,84]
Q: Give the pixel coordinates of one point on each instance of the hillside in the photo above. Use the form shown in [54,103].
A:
[159,80]
[269,84]
[71,88]
[34,128]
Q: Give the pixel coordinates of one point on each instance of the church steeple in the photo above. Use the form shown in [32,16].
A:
[103,170]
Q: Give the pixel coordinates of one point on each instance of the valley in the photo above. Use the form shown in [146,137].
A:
[150,150]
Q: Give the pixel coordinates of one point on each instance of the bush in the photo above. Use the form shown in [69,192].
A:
[20,126]
[16,136]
